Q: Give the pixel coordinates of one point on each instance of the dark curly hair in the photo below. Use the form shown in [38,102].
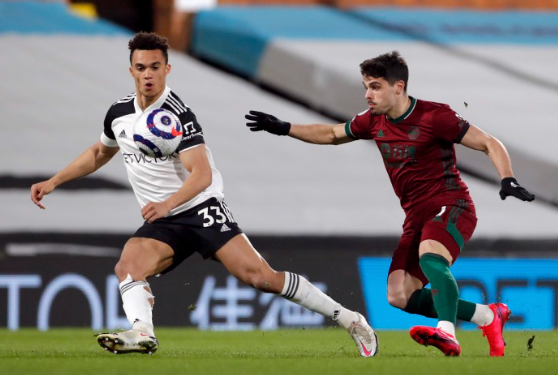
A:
[149,41]
[389,66]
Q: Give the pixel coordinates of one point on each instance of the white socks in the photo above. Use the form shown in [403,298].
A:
[300,291]
[483,315]
[447,327]
[137,303]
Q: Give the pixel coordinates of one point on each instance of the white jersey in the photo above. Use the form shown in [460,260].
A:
[156,179]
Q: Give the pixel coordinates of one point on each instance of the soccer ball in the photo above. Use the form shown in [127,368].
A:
[158,134]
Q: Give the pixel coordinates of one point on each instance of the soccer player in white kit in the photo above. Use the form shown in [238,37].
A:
[182,203]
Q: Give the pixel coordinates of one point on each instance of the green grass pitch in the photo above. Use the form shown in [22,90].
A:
[282,352]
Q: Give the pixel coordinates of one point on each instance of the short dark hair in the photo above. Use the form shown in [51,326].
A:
[150,42]
[389,66]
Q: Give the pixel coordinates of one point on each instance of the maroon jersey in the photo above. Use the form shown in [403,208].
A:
[418,151]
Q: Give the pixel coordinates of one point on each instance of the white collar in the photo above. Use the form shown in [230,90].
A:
[157,104]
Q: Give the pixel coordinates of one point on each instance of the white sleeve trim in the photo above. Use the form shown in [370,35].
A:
[108,141]
[189,148]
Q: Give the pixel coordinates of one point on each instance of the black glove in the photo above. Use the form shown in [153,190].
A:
[269,123]
[510,186]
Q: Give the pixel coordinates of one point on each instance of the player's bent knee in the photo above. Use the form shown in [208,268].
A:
[397,299]
[120,271]
[428,244]
[124,268]
[263,281]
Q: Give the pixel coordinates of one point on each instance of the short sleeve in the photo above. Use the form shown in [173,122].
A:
[109,118]
[107,136]
[450,126]
[109,142]
[360,127]
[193,134]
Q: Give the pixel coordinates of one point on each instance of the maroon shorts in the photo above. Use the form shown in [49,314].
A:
[451,225]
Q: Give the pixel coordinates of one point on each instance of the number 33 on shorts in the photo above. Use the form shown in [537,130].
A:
[217,214]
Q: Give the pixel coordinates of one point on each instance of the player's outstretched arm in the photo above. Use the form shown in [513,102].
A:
[88,162]
[481,141]
[315,133]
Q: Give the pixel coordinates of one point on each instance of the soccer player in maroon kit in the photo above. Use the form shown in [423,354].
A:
[416,141]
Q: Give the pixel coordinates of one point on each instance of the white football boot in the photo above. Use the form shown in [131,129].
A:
[132,341]
[364,336]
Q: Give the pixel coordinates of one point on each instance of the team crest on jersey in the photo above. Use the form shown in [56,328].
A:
[413,133]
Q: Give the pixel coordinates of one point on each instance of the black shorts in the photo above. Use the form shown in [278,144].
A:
[204,229]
